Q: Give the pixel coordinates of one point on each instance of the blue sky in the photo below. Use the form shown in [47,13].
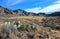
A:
[32,5]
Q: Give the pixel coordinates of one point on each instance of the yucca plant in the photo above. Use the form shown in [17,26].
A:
[27,27]
[33,27]
[16,23]
[21,27]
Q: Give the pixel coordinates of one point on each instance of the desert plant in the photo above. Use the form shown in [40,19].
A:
[9,28]
[21,27]
[33,27]
[26,27]
[16,23]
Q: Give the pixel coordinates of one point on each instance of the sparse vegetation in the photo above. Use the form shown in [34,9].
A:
[53,22]
[19,24]
[25,26]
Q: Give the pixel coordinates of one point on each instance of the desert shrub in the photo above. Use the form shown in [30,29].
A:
[9,29]
[21,27]
[16,23]
[33,27]
[26,27]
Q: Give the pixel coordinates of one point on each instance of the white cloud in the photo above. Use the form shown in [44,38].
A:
[36,9]
[13,2]
[51,8]
[58,1]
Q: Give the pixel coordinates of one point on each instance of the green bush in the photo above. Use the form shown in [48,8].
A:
[33,27]
[26,27]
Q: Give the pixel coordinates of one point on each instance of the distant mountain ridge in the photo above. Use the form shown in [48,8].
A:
[54,14]
[21,12]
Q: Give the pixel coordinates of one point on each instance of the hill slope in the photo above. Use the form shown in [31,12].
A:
[31,25]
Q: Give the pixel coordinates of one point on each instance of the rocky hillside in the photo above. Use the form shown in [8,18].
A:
[18,12]
[30,28]
[54,14]
[24,29]
[53,22]
[19,24]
